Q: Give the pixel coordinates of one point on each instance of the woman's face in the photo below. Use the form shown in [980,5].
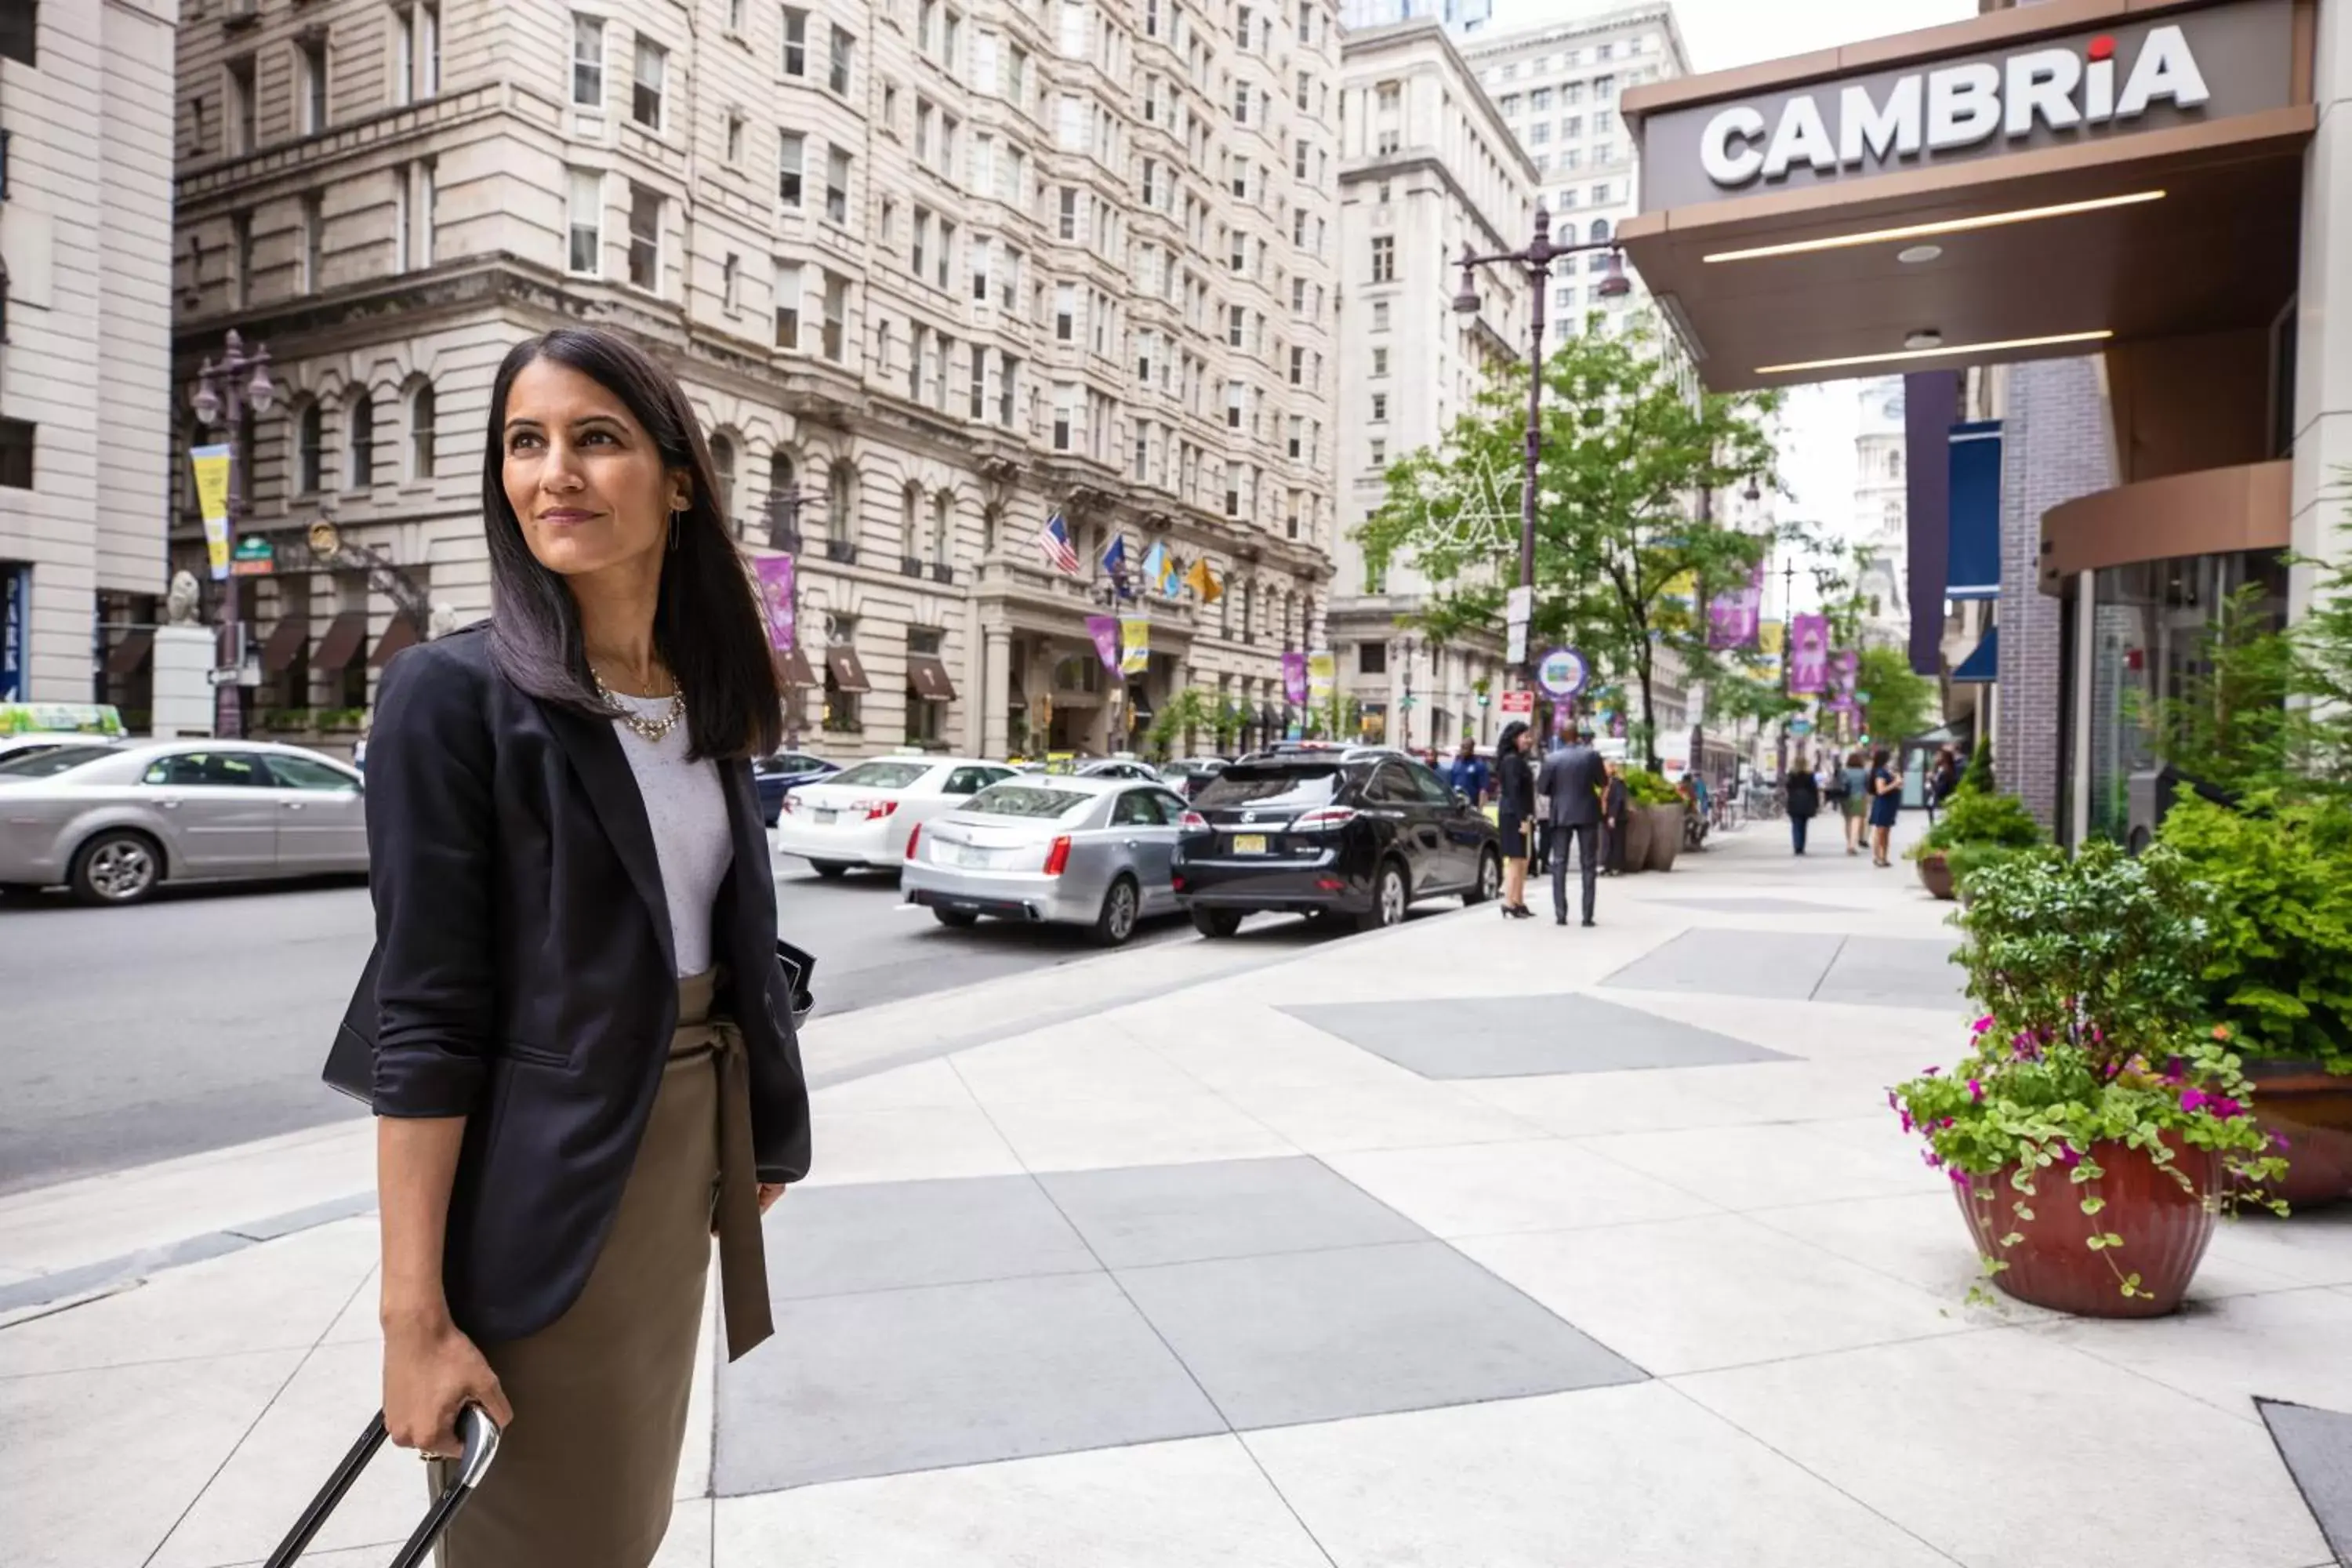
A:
[586,481]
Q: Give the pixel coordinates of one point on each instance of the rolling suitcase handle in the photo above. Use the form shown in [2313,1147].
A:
[481,1437]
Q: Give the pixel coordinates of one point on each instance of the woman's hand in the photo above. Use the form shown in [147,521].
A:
[431,1370]
[769,1193]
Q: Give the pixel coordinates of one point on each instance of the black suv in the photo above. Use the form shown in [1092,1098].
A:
[1335,832]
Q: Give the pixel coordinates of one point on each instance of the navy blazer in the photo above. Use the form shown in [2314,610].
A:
[526,979]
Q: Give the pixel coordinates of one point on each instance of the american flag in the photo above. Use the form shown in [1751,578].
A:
[1053,539]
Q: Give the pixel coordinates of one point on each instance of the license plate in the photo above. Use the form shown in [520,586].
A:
[969,857]
[825,818]
[1249,843]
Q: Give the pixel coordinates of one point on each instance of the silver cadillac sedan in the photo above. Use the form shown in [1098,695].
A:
[114,822]
[1096,852]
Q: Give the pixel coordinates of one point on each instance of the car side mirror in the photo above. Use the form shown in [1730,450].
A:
[1461,797]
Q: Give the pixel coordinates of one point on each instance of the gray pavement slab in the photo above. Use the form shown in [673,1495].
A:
[1894,972]
[2317,1447]
[1227,1208]
[894,1236]
[1525,1037]
[1761,905]
[1319,1336]
[882,1383]
[1734,962]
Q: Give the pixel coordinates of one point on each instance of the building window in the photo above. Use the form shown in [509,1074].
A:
[240,227]
[586,251]
[310,449]
[1066,312]
[314,239]
[19,23]
[1379,362]
[836,318]
[1384,259]
[837,77]
[1379,408]
[421,411]
[416,51]
[587,62]
[1064,398]
[836,185]
[314,86]
[1236,321]
[1380,454]
[788,305]
[646,97]
[841,502]
[795,41]
[17,434]
[241,105]
[1069,212]
[1008,377]
[731,283]
[734,139]
[1372,659]
[645,237]
[792,151]
[1380,315]
[978,406]
[360,440]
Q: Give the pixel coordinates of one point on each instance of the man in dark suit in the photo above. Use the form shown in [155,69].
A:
[1571,785]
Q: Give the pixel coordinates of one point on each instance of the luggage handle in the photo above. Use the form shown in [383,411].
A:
[481,1445]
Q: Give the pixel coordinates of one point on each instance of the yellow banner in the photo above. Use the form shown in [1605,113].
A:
[1134,645]
[210,465]
[1322,672]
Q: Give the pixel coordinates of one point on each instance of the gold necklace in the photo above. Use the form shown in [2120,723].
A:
[650,730]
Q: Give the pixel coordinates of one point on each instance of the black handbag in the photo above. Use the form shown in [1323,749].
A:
[351,1058]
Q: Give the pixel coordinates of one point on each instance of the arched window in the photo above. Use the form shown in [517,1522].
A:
[942,526]
[910,509]
[1598,230]
[362,442]
[421,412]
[784,501]
[841,500]
[310,449]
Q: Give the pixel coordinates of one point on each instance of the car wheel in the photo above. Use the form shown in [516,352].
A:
[1120,907]
[116,868]
[1489,885]
[1389,898]
[1216,922]
[956,920]
[830,870]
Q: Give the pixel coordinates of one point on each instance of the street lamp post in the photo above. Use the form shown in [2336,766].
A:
[223,391]
[1537,259]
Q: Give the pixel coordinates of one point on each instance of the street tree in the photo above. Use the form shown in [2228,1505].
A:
[1627,550]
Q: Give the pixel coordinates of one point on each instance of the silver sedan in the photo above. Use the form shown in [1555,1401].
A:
[1098,852]
[114,825]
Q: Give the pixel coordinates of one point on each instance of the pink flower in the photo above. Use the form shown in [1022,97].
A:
[2195,1099]
[2226,1108]
[1930,1072]
[1976,1088]
[1959,1177]
[1981,1024]
[1931,1158]
[1907,1123]
[2067,1155]
[2279,1142]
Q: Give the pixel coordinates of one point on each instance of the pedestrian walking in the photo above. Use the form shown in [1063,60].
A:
[1943,780]
[1885,787]
[1614,800]
[1804,798]
[1570,785]
[1468,773]
[1853,795]
[1514,810]
[584,1064]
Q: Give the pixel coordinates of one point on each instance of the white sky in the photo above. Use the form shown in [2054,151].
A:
[1817,461]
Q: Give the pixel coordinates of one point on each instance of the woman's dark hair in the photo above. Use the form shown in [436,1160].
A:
[707,626]
[1509,742]
[1878,758]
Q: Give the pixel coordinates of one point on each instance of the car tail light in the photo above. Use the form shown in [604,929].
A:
[914,838]
[875,810]
[1176,882]
[1324,819]
[1329,885]
[792,801]
[1057,859]
[1193,822]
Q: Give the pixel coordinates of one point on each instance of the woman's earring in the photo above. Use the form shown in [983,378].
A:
[673,526]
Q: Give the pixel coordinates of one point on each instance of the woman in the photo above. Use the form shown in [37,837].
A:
[584,1064]
[1804,795]
[1514,809]
[1885,787]
[1853,799]
[1613,819]
[1942,781]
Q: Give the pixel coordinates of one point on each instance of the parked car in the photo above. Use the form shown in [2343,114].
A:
[778,776]
[863,815]
[116,824]
[1353,833]
[1085,851]
[1118,768]
[1186,774]
[39,756]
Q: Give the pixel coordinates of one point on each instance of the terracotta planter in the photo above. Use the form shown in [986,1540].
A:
[2164,1228]
[2312,1111]
[1665,835]
[1935,874]
[1637,839]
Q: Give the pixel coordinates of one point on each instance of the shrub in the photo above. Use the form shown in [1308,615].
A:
[1977,774]
[1999,821]
[1648,789]
[2279,970]
[1964,860]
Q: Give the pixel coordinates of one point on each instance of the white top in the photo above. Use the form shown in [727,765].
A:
[687,805]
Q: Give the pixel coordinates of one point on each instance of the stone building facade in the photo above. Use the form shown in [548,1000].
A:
[1426,166]
[85,318]
[931,272]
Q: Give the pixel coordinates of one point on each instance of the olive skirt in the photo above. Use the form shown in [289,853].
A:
[585,1474]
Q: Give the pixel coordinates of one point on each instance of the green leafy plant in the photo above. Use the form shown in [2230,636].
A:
[2279,969]
[1965,860]
[1968,817]
[1647,788]
[1180,718]
[1977,774]
[2090,973]
[1902,701]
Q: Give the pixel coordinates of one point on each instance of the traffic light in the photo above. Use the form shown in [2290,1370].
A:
[1482,699]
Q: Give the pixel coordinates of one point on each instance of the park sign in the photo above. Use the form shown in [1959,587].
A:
[2088,85]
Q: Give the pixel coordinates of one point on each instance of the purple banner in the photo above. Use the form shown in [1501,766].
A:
[1735,617]
[1808,655]
[1844,664]
[1293,680]
[1104,629]
[774,573]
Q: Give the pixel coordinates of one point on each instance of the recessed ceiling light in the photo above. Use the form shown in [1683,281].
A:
[1927,338]
[1949,225]
[1914,254]
[1948,349]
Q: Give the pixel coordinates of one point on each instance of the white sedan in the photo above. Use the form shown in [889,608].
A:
[864,814]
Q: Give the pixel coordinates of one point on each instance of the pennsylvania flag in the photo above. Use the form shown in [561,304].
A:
[1114,565]
[1159,571]
[1204,581]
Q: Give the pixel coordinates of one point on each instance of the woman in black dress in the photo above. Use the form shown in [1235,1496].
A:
[1885,787]
[1804,795]
[1514,810]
